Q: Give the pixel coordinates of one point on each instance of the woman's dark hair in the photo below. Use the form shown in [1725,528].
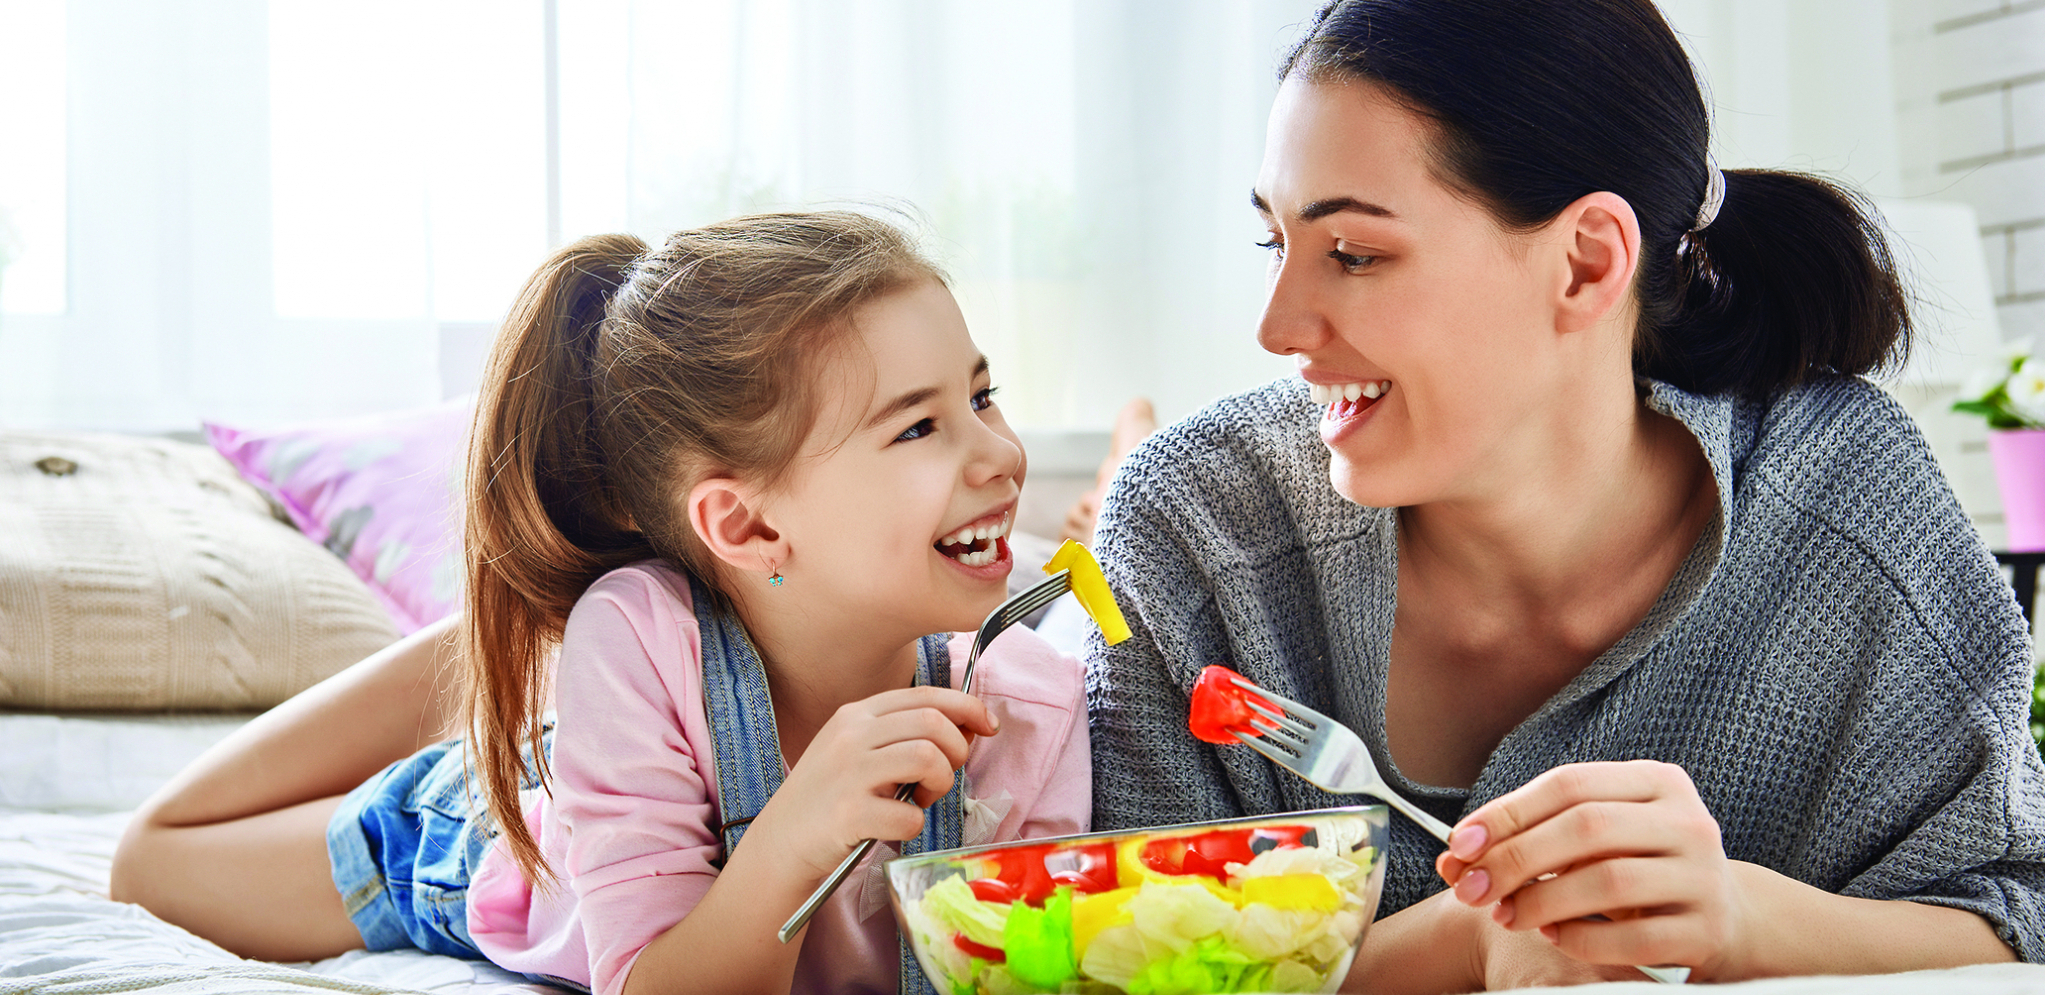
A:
[1536,104]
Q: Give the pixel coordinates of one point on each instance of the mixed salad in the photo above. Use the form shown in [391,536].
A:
[1268,908]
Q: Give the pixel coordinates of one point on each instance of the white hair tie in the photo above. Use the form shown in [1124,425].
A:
[1714,198]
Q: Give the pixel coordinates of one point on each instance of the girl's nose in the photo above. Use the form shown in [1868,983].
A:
[995,457]
[1292,321]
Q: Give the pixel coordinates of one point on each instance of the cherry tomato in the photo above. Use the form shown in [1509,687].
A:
[1221,709]
[994,890]
[1022,868]
[1090,869]
[980,950]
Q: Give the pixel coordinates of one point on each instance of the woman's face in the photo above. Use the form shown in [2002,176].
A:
[1390,287]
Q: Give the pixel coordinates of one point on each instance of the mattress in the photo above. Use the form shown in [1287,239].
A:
[67,784]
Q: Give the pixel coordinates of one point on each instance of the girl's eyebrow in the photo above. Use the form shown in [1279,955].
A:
[916,397]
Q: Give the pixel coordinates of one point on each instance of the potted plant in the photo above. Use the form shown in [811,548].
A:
[2010,395]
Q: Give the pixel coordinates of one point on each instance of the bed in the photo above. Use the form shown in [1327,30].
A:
[154,594]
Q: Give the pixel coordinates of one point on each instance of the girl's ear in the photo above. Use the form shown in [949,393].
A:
[726,516]
[1600,240]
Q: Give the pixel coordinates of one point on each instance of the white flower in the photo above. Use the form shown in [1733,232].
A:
[1981,383]
[2027,392]
[2017,350]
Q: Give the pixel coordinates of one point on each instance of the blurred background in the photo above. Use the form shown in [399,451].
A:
[265,211]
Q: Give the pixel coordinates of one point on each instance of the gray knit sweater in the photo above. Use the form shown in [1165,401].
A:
[1838,664]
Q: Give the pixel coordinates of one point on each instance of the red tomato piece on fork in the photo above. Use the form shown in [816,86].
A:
[1221,708]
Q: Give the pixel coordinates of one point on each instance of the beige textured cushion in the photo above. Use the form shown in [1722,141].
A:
[142,574]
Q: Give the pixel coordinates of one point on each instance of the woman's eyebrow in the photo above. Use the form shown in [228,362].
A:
[916,397]
[1326,206]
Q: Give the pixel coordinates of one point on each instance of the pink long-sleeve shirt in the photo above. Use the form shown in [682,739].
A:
[632,823]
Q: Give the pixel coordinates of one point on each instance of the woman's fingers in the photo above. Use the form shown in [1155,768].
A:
[1557,791]
[1598,888]
[1575,837]
[1658,939]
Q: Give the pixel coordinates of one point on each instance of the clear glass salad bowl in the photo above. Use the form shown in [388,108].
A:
[1274,903]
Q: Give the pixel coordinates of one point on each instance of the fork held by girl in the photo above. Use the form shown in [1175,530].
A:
[721,494]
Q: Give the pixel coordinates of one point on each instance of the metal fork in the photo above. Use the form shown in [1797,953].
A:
[1006,614]
[1328,754]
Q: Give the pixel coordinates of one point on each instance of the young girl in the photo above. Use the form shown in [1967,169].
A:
[735,480]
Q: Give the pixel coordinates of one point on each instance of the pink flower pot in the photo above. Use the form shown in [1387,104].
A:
[2019,456]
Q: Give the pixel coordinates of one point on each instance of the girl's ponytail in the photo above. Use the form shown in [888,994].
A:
[543,523]
[1792,280]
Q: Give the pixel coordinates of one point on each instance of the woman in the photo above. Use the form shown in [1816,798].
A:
[1623,566]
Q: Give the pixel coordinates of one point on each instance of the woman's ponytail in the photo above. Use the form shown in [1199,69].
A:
[1792,280]
[542,522]
[1537,104]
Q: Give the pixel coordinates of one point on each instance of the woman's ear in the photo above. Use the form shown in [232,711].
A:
[1600,240]
[727,517]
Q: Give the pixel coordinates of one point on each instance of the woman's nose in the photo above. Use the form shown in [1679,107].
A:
[1292,321]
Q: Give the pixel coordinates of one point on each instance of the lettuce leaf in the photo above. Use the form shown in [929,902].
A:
[1038,942]
[952,902]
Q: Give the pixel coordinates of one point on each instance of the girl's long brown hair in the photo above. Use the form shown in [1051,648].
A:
[622,377]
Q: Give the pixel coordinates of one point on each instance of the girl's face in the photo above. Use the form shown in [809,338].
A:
[898,508]
[1425,331]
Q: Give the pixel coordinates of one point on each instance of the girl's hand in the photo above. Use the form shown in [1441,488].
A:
[1628,841]
[842,791]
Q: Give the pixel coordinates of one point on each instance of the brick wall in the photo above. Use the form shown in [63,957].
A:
[1971,83]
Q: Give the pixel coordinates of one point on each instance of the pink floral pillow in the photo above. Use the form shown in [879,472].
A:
[382,492]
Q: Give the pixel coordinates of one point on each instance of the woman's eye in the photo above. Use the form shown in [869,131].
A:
[1351,262]
[917,431]
[984,398]
[1275,245]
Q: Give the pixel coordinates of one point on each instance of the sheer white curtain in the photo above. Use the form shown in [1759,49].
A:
[266,211]
[1085,165]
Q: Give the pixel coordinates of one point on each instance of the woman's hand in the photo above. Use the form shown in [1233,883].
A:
[843,789]
[1631,842]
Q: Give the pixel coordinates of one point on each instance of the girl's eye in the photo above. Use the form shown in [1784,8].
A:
[917,431]
[1351,262]
[984,398]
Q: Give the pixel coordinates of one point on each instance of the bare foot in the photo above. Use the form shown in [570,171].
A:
[1133,423]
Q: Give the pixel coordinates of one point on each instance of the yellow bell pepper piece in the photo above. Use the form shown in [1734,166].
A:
[1090,586]
[1310,892]
[1093,913]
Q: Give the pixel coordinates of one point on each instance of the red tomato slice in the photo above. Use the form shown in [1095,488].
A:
[1022,868]
[1220,708]
[994,890]
[980,950]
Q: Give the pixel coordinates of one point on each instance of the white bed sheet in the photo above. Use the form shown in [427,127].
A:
[67,783]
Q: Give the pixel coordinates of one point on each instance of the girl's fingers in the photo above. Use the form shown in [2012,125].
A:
[963,710]
[911,761]
[1584,834]
[1600,888]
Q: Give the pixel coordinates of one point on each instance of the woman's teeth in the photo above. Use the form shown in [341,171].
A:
[1328,393]
[976,547]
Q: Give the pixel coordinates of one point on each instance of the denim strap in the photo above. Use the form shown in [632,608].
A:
[747,747]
